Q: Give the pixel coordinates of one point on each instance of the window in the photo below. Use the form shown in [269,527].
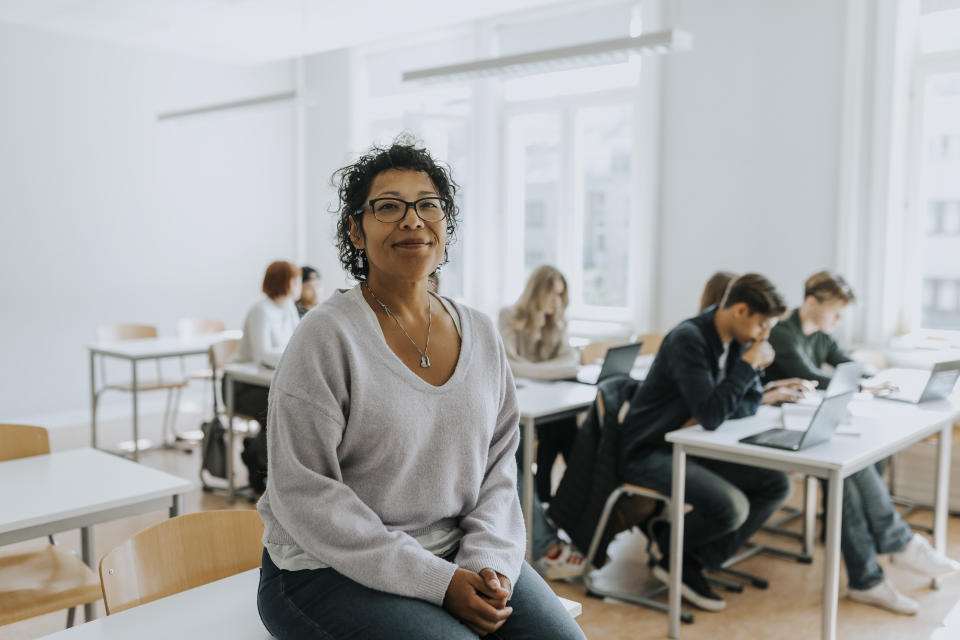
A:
[570,167]
[939,193]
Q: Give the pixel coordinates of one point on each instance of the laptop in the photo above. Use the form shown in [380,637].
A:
[846,378]
[831,412]
[921,386]
[619,362]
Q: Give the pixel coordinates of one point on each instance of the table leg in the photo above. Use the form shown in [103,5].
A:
[809,513]
[941,499]
[529,434]
[93,400]
[176,508]
[86,553]
[831,568]
[136,426]
[677,499]
[231,488]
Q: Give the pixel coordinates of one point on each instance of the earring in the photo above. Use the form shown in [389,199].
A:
[359,261]
[445,260]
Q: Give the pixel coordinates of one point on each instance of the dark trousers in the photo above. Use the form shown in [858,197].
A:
[251,400]
[325,604]
[730,501]
[553,439]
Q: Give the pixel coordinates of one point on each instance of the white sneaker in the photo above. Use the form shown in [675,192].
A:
[569,563]
[886,596]
[919,556]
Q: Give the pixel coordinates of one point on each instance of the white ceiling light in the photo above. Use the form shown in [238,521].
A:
[581,55]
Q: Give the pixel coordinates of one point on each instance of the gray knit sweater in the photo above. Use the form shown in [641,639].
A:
[364,454]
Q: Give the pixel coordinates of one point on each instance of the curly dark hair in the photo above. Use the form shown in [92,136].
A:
[353,187]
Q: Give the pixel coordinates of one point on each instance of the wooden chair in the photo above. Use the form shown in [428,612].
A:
[173,386]
[651,343]
[179,554]
[190,327]
[45,578]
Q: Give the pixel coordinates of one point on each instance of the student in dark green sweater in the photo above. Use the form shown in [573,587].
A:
[803,341]
[871,525]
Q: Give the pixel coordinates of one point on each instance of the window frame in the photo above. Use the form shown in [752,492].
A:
[569,246]
[926,68]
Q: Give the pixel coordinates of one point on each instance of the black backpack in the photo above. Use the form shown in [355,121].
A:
[214,449]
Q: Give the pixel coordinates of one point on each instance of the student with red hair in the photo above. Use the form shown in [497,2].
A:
[266,330]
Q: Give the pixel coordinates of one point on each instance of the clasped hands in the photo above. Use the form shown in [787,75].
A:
[479,599]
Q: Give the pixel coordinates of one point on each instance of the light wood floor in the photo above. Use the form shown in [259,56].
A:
[790,608]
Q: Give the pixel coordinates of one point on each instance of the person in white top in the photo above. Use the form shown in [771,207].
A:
[266,330]
[534,332]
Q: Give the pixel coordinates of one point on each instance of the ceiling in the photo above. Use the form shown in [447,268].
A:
[250,31]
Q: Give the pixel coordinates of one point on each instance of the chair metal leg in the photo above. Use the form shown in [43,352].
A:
[644,599]
[71,615]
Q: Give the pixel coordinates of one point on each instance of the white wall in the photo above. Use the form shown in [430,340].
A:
[751,119]
[107,215]
[328,135]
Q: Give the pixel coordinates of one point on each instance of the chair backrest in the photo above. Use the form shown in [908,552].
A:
[597,350]
[22,441]
[651,343]
[221,352]
[179,554]
[111,332]
[189,327]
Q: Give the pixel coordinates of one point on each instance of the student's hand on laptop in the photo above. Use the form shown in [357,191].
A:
[796,384]
[781,395]
[760,355]
[881,389]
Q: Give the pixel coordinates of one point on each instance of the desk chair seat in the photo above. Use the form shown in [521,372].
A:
[39,578]
[179,554]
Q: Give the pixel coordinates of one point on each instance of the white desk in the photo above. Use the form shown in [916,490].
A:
[249,373]
[75,489]
[134,351]
[885,428]
[223,609]
[544,402]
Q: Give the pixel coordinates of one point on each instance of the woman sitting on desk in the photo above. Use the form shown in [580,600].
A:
[266,331]
[392,508]
[870,523]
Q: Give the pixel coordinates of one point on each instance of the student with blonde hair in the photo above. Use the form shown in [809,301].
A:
[534,329]
[534,332]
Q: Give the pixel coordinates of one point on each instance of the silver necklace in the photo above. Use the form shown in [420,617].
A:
[424,359]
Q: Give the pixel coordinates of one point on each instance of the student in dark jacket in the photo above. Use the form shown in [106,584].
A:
[871,524]
[706,372]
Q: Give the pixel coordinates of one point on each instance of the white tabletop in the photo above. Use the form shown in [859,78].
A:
[539,399]
[162,347]
[250,373]
[71,489]
[223,609]
[882,426]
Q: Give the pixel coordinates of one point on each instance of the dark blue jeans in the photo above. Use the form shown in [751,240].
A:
[325,605]
[730,501]
[870,525]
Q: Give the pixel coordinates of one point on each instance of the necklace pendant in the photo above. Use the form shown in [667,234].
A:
[424,361]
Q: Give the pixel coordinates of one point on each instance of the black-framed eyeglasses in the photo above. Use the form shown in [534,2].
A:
[429,209]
